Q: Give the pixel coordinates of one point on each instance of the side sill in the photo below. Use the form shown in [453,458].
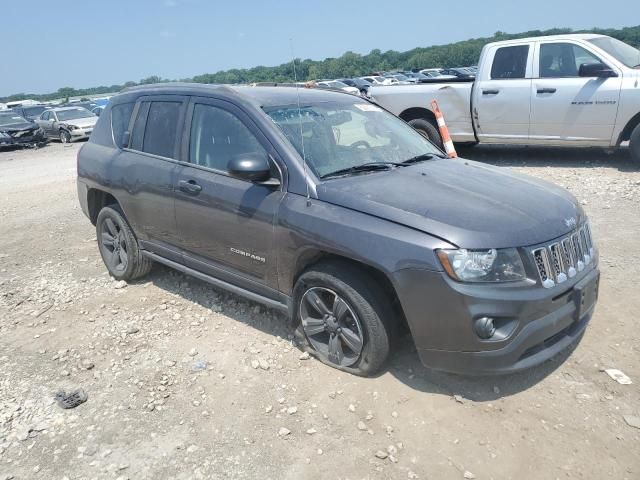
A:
[269,302]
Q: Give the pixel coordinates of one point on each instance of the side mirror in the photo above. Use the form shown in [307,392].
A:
[253,167]
[126,136]
[599,70]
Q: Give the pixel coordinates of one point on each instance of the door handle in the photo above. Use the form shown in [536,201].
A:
[490,92]
[189,186]
[546,90]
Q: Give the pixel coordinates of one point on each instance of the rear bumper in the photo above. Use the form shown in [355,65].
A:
[533,323]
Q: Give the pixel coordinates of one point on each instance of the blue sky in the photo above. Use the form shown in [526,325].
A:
[92,43]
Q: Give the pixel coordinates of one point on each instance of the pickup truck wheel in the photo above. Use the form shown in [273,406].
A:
[119,247]
[65,136]
[428,129]
[634,144]
[343,319]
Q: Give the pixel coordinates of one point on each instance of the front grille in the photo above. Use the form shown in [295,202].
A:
[563,259]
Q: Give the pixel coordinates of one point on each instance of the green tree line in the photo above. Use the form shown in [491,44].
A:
[350,64]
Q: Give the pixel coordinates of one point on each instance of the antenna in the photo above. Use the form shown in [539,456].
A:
[304,156]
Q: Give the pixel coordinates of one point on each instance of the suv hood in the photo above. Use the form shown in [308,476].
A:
[18,127]
[468,204]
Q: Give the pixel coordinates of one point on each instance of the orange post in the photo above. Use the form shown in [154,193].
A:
[444,131]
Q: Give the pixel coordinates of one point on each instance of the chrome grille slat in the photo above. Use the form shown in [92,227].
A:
[562,259]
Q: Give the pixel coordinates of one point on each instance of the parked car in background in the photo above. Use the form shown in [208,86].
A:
[15,130]
[335,84]
[358,83]
[399,78]
[415,77]
[577,90]
[30,112]
[459,72]
[377,80]
[67,123]
[356,232]
[435,73]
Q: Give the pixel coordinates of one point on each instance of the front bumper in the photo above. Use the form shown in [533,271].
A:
[534,323]
[28,139]
[80,133]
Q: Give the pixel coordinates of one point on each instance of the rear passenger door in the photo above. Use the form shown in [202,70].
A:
[501,94]
[226,224]
[145,170]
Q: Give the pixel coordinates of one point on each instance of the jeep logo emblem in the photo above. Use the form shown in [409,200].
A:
[571,222]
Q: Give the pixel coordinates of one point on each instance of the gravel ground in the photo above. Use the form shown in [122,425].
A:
[185,381]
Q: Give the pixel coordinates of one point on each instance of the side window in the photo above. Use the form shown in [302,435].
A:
[120,116]
[563,59]
[45,116]
[510,62]
[217,136]
[161,130]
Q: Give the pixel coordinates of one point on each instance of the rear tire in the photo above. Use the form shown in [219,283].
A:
[428,129]
[634,145]
[119,247]
[366,312]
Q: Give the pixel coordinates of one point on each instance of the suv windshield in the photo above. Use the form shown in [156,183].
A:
[73,114]
[338,136]
[11,119]
[622,52]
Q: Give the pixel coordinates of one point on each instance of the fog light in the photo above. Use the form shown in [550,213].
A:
[484,328]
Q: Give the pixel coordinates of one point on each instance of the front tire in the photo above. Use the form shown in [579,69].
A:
[634,144]
[119,247]
[428,129]
[65,136]
[343,318]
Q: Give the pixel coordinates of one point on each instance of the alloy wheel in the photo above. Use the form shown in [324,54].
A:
[114,245]
[331,326]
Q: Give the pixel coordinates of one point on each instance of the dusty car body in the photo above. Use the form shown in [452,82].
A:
[325,206]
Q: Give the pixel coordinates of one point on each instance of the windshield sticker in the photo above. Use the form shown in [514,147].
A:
[367,107]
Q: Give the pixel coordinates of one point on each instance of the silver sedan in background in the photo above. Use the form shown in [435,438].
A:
[67,123]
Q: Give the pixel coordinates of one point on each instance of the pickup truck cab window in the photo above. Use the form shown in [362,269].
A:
[510,62]
[557,60]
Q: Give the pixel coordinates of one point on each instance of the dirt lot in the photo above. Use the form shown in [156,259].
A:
[185,381]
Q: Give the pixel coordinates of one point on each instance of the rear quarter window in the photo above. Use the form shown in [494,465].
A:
[120,117]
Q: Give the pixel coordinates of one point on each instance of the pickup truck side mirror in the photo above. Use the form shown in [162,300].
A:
[253,167]
[599,70]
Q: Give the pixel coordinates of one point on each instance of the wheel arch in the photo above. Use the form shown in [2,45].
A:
[414,113]
[98,199]
[628,128]
[314,257]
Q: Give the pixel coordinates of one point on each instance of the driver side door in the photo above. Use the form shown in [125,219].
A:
[566,108]
[226,225]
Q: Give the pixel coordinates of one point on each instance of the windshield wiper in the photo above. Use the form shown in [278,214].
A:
[365,167]
[421,158]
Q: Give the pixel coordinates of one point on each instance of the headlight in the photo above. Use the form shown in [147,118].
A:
[493,265]
[72,127]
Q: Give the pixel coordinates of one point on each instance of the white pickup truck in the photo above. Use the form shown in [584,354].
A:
[573,90]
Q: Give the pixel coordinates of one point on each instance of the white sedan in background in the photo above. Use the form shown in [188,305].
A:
[335,84]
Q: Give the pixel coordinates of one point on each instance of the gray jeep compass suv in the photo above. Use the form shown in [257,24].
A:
[331,209]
